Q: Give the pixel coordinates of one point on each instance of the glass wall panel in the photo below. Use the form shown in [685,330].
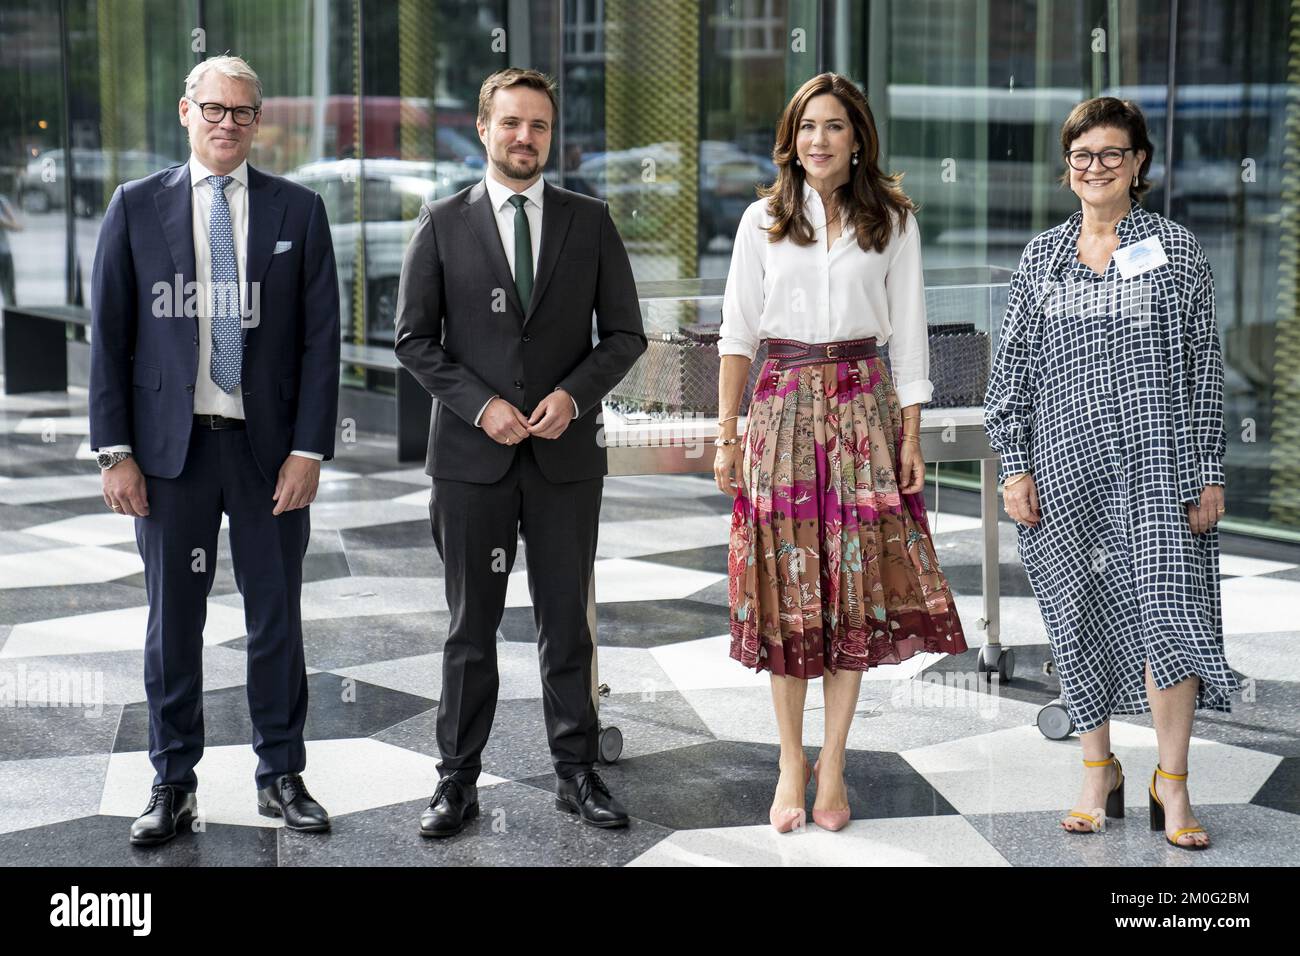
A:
[34,191]
[668,110]
[1236,170]
[126,63]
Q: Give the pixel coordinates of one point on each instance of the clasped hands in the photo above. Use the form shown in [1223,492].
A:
[507,425]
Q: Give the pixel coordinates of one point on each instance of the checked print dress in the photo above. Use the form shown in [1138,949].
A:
[1110,391]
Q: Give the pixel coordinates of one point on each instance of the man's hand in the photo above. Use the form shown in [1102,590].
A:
[552,415]
[504,423]
[124,489]
[297,483]
[1205,514]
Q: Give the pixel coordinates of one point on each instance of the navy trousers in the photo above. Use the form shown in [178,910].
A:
[476,528]
[178,543]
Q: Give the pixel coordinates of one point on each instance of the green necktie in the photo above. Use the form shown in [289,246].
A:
[523,252]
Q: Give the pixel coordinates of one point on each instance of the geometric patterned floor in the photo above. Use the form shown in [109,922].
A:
[942,771]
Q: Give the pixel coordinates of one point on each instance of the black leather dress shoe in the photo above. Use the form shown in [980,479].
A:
[587,796]
[288,797]
[452,804]
[170,809]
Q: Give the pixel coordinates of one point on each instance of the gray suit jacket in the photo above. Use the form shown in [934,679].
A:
[464,335]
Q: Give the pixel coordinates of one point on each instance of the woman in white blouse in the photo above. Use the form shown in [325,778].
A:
[831,566]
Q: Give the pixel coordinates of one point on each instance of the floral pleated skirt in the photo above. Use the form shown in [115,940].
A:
[829,566]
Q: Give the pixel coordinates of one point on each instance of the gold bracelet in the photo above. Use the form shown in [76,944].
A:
[1012,481]
[727,419]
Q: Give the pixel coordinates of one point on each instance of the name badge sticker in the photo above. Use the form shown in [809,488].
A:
[1140,257]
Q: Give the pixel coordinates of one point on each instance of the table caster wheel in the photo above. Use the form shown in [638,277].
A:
[995,657]
[1054,721]
[611,744]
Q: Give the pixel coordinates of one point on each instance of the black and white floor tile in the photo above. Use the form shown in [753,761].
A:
[941,771]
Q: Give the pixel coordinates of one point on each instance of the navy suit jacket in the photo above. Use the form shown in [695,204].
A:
[144,351]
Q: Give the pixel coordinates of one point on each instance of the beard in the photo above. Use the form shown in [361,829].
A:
[517,165]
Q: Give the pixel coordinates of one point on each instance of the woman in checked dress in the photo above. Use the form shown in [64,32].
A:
[1106,404]
[831,567]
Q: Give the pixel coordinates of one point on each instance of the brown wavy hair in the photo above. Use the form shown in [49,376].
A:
[874,201]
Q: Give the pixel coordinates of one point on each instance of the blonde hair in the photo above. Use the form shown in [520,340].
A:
[227,65]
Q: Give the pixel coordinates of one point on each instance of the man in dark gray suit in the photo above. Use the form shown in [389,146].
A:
[494,319]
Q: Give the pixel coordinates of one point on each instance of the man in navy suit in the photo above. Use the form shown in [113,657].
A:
[214,388]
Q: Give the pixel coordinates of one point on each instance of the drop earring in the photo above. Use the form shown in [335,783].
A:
[797,163]
[855,158]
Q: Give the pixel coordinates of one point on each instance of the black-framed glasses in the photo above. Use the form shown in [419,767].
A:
[1111,157]
[216,112]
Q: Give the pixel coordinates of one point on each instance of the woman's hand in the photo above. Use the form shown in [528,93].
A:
[911,468]
[726,468]
[1021,501]
[1205,514]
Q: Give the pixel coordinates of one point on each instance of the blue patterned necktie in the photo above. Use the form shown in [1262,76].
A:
[227,330]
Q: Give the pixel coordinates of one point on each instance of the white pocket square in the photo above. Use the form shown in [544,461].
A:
[284,245]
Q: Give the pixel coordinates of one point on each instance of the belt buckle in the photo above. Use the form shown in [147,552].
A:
[830,350]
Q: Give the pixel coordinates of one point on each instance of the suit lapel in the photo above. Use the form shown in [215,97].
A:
[481,218]
[556,216]
[175,214]
[265,213]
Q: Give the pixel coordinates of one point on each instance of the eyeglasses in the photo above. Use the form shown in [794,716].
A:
[215,112]
[1111,158]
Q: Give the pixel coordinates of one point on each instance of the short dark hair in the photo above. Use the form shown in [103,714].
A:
[1120,114]
[513,76]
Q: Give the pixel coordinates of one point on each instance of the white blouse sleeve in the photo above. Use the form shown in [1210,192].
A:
[742,302]
[909,340]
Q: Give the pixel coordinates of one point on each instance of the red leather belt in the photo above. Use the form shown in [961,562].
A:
[789,353]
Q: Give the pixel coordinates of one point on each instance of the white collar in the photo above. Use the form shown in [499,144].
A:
[816,212]
[199,173]
[500,193]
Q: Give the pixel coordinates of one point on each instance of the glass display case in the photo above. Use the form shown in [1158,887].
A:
[662,418]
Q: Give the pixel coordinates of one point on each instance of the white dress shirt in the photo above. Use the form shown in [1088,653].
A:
[499,195]
[209,398]
[812,294]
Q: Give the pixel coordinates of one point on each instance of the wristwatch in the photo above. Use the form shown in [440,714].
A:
[107,459]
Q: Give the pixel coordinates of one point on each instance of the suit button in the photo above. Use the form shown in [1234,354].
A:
[518,384]
[189,388]
[526,339]
[196,340]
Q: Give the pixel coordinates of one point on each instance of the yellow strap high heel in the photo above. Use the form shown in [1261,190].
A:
[1114,800]
[1158,814]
